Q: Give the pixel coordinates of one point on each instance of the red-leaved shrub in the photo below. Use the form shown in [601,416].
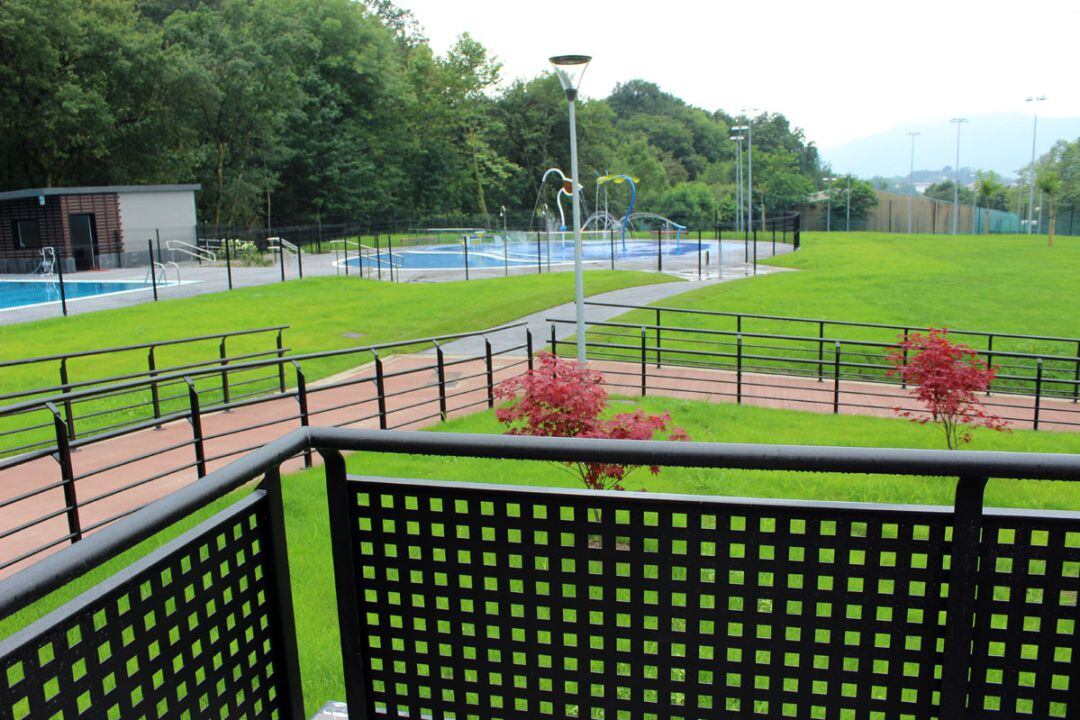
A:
[947,378]
[564,398]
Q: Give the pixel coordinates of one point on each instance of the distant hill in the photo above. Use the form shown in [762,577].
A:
[999,142]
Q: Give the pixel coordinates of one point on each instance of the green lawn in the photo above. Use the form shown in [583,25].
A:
[1001,283]
[306,510]
[325,313]
[1004,283]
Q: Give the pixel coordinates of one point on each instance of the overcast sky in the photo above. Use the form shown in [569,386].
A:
[839,69]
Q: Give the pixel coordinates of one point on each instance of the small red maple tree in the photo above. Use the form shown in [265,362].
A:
[946,377]
[564,398]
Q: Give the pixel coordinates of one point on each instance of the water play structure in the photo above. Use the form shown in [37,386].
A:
[603,224]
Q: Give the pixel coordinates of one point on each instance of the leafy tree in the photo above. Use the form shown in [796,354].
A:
[863,199]
[991,192]
[944,191]
[778,183]
[690,203]
[565,398]
[948,379]
[1049,184]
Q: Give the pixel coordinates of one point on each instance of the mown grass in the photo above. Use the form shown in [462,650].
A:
[306,508]
[327,313]
[1001,283]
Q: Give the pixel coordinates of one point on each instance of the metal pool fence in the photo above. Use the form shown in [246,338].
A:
[473,600]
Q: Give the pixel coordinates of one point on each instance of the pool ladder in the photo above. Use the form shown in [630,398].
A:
[161,274]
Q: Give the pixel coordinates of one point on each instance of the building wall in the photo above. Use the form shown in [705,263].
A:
[106,213]
[50,223]
[168,215]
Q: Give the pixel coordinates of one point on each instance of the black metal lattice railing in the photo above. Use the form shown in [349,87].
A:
[485,601]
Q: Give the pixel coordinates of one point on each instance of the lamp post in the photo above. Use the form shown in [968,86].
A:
[570,69]
[956,176]
[911,180]
[828,213]
[1034,131]
[847,212]
[749,112]
[738,138]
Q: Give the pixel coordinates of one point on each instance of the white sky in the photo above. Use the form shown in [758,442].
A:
[839,69]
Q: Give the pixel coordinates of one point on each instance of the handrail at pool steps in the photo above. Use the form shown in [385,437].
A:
[581,565]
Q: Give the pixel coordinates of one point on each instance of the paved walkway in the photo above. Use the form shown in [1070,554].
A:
[541,328]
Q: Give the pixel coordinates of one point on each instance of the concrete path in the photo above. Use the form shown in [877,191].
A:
[541,328]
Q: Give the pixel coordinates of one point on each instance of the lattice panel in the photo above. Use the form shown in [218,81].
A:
[186,633]
[1025,649]
[487,603]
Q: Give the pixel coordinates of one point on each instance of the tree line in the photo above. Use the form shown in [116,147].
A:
[317,110]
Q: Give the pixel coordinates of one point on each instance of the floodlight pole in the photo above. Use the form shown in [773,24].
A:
[956,176]
[911,180]
[828,212]
[750,164]
[1031,181]
[847,212]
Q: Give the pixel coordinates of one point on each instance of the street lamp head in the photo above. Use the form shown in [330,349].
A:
[570,69]
[740,128]
[736,138]
[959,120]
[1035,98]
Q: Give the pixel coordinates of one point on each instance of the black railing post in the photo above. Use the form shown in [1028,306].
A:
[378,257]
[155,395]
[228,261]
[990,359]
[69,415]
[359,258]
[67,474]
[281,257]
[529,347]
[153,270]
[903,381]
[346,583]
[821,351]
[657,337]
[644,376]
[836,381]
[284,627]
[224,372]
[960,605]
[490,373]
[300,261]
[380,389]
[699,255]
[196,428]
[539,256]
[554,341]
[440,374]
[390,256]
[1038,393]
[1076,375]
[738,370]
[465,244]
[60,277]
[281,358]
[755,251]
[659,253]
[302,399]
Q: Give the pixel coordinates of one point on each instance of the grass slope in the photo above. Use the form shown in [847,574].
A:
[1004,283]
[306,509]
[325,313]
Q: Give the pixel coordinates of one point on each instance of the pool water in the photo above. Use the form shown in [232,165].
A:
[23,293]
[517,253]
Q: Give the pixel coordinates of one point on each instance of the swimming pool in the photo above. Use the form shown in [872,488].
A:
[519,253]
[28,293]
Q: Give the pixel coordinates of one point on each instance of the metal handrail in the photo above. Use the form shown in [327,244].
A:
[34,582]
[199,253]
[848,323]
[140,346]
[164,378]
